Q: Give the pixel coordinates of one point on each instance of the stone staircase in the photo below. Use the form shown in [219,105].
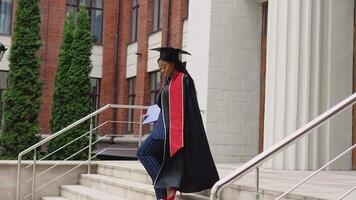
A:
[115,181]
[127,180]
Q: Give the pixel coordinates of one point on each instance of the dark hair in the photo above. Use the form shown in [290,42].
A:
[181,66]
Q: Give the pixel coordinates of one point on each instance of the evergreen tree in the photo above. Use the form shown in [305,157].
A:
[21,99]
[72,97]
[60,94]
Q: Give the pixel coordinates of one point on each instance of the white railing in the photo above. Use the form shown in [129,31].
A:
[289,140]
[88,134]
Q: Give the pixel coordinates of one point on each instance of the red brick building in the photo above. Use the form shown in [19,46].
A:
[122,29]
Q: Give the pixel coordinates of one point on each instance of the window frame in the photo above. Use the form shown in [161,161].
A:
[159,16]
[95,94]
[90,9]
[11,17]
[134,7]
[155,91]
[187,10]
[4,74]
[95,98]
[131,95]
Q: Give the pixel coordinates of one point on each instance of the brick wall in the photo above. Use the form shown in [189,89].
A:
[108,86]
[178,10]
[53,17]
[114,53]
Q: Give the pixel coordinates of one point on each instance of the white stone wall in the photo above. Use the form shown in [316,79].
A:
[224,39]
[131,61]
[309,69]
[341,69]
[198,39]
[154,41]
[185,39]
[97,61]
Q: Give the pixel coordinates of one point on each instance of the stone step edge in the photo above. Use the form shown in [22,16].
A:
[53,198]
[120,182]
[87,192]
[120,167]
[133,185]
[236,186]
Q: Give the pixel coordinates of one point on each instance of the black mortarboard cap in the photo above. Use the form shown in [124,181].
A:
[170,54]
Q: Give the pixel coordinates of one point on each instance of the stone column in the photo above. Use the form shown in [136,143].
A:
[309,69]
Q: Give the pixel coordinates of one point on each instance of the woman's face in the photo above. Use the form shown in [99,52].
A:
[167,68]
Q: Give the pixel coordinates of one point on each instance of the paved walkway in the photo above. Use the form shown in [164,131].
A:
[325,185]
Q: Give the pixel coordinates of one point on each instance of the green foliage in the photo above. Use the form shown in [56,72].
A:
[60,95]
[21,99]
[71,100]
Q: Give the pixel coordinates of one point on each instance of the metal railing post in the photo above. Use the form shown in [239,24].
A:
[258,194]
[34,174]
[140,130]
[18,178]
[257,179]
[90,145]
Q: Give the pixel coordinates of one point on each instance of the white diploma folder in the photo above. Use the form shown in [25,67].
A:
[152,114]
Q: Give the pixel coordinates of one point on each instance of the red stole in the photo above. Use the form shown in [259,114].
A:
[176,113]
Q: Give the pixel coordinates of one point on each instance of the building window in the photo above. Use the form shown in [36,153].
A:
[5,17]
[264,19]
[157,15]
[156,81]
[187,9]
[155,86]
[131,101]
[95,11]
[3,86]
[134,20]
[95,93]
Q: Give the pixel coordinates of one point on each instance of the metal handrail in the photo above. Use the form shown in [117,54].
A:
[76,139]
[40,143]
[287,141]
[60,161]
[60,176]
[316,172]
[346,193]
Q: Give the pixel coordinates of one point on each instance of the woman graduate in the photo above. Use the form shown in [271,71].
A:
[176,154]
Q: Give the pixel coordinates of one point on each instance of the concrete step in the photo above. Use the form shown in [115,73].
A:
[126,188]
[272,182]
[129,170]
[79,192]
[53,198]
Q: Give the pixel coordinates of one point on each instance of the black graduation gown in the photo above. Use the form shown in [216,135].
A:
[191,168]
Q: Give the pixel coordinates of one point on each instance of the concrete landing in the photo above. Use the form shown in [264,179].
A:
[325,185]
